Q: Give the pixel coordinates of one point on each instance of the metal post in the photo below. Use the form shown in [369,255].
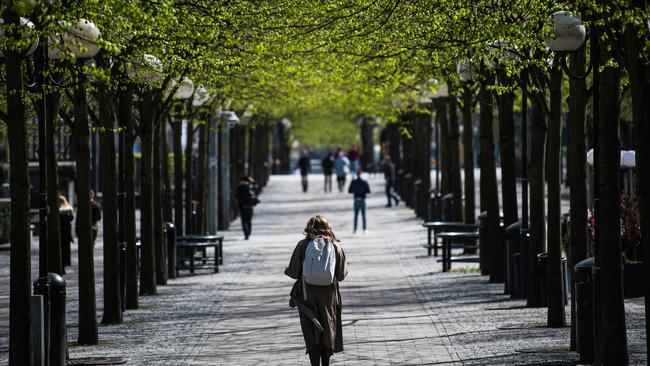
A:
[41,65]
[213,147]
[595,54]
[224,177]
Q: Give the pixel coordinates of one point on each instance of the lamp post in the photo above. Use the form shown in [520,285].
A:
[568,34]
[20,339]
[79,41]
[227,120]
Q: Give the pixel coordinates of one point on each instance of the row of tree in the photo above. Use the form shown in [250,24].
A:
[367,58]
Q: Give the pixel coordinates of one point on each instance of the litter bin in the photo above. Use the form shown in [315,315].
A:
[435,205]
[170,237]
[512,247]
[483,245]
[584,292]
[542,260]
[448,207]
[52,288]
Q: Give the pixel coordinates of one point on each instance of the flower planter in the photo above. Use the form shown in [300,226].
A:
[633,283]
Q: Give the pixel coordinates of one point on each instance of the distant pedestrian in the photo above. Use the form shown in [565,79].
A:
[96,215]
[389,177]
[246,201]
[353,156]
[342,168]
[318,264]
[305,167]
[360,188]
[328,169]
[66,215]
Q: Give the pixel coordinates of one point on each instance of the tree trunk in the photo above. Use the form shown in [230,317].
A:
[112,296]
[20,283]
[367,144]
[224,177]
[489,190]
[423,162]
[126,115]
[507,153]
[444,155]
[189,222]
[177,127]
[577,170]
[554,280]
[468,155]
[147,260]
[54,259]
[613,336]
[168,209]
[537,207]
[454,160]
[159,240]
[201,176]
[639,86]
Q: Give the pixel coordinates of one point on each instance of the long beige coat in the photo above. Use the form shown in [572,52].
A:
[324,300]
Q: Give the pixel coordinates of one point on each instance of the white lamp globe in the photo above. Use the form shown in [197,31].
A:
[230,118]
[149,69]
[567,34]
[201,97]
[185,89]
[628,159]
[82,40]
[26,35]
[466,71]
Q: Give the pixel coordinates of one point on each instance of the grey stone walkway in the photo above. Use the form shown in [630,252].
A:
[399,309]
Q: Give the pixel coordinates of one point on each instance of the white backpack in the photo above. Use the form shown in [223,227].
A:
[319,264]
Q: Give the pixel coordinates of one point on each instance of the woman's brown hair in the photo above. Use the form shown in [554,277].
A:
[319,226]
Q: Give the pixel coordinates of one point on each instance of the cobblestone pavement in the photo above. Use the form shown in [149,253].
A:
[398,308]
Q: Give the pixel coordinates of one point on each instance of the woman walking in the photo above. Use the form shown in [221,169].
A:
[318,264]
[66,216]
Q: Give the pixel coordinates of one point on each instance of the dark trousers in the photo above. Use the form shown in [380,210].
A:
[246,214]
[390,194]
[340,179]
[359,207]
[328,183]
[305,182]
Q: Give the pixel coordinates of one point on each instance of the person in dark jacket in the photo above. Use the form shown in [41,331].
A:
[389,177]
[304,166]
[360,188]
[246,200]
[328,169]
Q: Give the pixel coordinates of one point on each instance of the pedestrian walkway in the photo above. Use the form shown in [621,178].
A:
[398,307]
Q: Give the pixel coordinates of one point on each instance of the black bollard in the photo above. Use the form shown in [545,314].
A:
[512,247]
[52,288]
[170,237]
[584,292]
[435,205]
[448,207]
[416,194]
[484,250]
[122,248]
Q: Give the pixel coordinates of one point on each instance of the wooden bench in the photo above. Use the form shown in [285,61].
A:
[448,239]
[436,227]
[187,246]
